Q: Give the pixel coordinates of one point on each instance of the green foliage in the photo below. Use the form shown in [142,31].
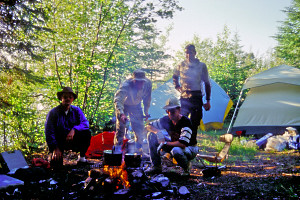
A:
[288,36]
[90,45]
[95,45]
[292,191]
[19,114]
[20,85]
[239,149]
[20,21]
[242,152]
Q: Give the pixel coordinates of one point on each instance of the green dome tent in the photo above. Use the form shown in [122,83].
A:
[272,103]
[214,118]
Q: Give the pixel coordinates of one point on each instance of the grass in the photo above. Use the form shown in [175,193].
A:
[240,150]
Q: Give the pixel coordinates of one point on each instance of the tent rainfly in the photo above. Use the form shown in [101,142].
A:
[272,103]
[212,119]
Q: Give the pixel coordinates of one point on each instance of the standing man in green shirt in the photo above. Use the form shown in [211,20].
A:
[188,79]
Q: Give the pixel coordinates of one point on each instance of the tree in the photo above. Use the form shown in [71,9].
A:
[288,36]
[89,45]
[96,44]
[20,23]
[20,20]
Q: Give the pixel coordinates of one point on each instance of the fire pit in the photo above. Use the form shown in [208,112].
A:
[114,176]
[129,180]
[117,175]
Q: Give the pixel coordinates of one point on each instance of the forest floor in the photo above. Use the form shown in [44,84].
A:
[270,175]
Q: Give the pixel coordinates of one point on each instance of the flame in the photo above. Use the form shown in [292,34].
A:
[118,172]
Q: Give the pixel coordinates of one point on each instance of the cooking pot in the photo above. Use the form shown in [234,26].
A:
[112,158]
[131,146]
[132,160]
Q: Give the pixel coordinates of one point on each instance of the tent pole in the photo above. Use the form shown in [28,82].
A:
[229,128]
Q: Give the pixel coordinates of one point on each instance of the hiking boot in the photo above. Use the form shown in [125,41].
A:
[186,172]
[167,160]
[56,164]
[153,170]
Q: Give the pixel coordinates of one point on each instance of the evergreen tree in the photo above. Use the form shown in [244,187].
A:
[288,36]
[20,23]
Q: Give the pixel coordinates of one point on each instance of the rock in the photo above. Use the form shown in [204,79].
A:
[183,191]
[95,173]
[137,174]
[156,195]
[122,192]
[164,181]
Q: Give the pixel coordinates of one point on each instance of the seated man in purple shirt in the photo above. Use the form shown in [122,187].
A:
[67,128]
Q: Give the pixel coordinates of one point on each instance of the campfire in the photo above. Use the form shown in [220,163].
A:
[124,179]
[118,175]
[111,181]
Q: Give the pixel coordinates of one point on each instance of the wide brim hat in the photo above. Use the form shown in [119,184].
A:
[139,75]
[171,103]
[66,90]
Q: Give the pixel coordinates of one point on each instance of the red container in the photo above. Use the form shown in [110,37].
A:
[99,143]
[102,141]
[107,140]
[108,137]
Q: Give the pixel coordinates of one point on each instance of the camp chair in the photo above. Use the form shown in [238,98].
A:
[219,157]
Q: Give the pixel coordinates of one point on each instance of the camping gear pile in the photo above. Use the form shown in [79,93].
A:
[111,179]
[290,139]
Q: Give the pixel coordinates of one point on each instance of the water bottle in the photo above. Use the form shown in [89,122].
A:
[262,141]
[128,130]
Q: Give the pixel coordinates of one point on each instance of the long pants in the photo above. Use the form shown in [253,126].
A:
[80,143]
[193,107]
[182,156]
[137,124]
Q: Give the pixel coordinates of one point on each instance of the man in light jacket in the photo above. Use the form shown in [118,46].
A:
[127,102]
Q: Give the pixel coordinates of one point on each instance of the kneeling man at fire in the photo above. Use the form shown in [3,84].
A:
[67,128]
[172,134]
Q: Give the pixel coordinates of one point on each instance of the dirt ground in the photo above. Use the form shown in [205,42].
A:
[269,176]
[273,175]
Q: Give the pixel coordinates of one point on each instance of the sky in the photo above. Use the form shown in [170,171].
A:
[255,21]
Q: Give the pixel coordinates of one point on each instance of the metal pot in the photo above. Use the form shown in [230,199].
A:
[112,158]
[132,160]
[130,146]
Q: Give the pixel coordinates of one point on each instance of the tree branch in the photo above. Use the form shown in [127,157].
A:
[108,60]
[56,66]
